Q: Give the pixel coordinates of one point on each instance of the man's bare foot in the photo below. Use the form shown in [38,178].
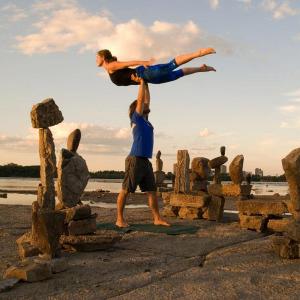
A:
[206,51]
[161,222]
[122,224]
[205,68]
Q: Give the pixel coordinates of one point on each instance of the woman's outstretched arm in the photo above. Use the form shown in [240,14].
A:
[147,95]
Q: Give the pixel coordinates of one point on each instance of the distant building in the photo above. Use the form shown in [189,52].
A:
[223,169]
[259,172]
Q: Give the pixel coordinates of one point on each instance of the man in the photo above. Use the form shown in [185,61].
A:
[138,168]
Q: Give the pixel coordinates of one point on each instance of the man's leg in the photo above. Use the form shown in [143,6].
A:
[153,204]
[120,209]
[184,58]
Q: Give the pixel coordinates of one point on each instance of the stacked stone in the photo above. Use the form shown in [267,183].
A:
[187,202]
[288,244]
[159,174]
[47,224]
[263,215]
[216,163]
[236,189]
[199,174]
[79,223]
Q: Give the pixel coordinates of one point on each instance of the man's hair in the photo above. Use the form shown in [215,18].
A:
[132,108]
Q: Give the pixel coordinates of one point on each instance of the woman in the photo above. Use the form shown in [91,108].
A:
[121,74]
[138,168]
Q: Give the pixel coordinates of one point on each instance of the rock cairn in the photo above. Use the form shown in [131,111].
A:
[216,163]
[159,174]
[288,244]
[47,224]
[237,189]
[187,201]
[80,228]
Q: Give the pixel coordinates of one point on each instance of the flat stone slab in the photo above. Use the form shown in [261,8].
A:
[102,240]
[188,200]
[170,211]
[257,223]
[235,190]
[262,207]
[3,195]
[29,271]
[279,225]
[45,114]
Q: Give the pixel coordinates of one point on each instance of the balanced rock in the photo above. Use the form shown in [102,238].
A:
[85,226]
[201,167]
[217,162]
[45,114]
[190,213]
[182,179]
[25,247]
[170,211]
[236,169]
[189,200]
[291,166]
[215,209]
[73,176]
[77,212]
[74,140]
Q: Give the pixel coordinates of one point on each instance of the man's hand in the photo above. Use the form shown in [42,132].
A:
[135,78]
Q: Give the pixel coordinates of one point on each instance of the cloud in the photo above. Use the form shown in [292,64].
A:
[293,102]
[205,132]
[291,124]
[278,9]
[289,108]
[295,93]
[87,31]
[214,4]
[13,12]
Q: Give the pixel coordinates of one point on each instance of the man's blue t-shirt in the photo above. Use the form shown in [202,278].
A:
[142,137]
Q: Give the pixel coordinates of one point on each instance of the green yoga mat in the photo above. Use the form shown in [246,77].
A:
[172,230]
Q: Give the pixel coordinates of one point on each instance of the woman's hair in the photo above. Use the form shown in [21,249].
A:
[106,54]
[132,109]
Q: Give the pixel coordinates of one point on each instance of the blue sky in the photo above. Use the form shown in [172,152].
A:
[251,104]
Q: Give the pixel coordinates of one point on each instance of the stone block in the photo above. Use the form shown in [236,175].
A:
[170,211]
[215,189]
[235,190]
[29,271]
[166,196]
[257,223]
[217,162]
[81,227]
[293,231]
[285,247]
[77,212]
[74,140]
[262,207]
[215,209]
[182,179]
[3,195]
[7,284]
[236,169]
[189,200]
[278,225]
[102,240]
[45,114]
[190,213]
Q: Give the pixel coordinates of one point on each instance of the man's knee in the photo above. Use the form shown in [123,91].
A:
[124,193]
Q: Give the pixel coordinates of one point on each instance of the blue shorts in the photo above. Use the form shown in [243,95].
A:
[160,73]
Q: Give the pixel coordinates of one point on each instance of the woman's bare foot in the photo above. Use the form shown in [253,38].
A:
[122,224]
[206,51]
[161,222]
[205,68]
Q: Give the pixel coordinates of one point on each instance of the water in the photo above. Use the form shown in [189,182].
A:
[113,185]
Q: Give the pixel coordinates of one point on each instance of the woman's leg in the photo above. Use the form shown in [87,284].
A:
[203,68]
[153,204]
[184,58]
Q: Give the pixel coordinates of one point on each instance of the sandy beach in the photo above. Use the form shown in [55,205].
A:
[219,260]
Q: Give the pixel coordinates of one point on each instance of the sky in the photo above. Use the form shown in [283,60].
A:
[251,104]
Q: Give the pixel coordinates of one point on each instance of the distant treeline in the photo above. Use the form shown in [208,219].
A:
[14,170]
